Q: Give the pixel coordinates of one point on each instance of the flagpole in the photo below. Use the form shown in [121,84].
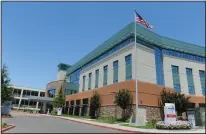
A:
[136,86]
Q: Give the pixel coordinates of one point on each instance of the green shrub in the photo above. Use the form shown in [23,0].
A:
[153,122]
[3,125]
[123,120]
[54,112]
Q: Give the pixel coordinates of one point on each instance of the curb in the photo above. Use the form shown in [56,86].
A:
[118,129]
[8,128]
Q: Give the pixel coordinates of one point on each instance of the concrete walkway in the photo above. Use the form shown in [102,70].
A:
[128,129]
[15,113]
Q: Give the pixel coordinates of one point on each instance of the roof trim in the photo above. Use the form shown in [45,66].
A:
[143,34]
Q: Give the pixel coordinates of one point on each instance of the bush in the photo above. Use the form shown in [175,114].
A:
[3,125]
[177,125]
[54,112]
[153,122]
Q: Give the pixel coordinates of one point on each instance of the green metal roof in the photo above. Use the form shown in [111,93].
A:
[141,33]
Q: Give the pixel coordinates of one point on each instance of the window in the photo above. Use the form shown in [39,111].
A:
[83,87]
[128,68]
[96,78]
[42,94]
[190,81]
[183,55]
[159,66]
[191,90]
[74,77]
[24,92]
[34,93]
[115,72]
[28,93]
[175,69]
[176,78]
[105,75]
[189,71]
[51,92]
[90,80]
[17,92]
[202,81]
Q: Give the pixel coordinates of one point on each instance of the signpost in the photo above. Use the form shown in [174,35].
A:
[170,113]
[59,111]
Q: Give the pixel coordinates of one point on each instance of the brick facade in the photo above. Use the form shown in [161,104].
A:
[148,95]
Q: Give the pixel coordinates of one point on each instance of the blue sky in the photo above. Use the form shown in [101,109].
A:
[37,36]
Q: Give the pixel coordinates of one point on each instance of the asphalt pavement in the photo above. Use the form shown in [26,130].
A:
[39,124]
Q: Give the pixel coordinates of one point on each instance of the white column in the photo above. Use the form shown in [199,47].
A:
[20,98]
[37,104]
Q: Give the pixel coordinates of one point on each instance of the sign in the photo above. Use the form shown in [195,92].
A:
[59,111]
[170,113]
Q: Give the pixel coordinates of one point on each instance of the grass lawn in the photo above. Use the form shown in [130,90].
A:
[75,116]
[110,120]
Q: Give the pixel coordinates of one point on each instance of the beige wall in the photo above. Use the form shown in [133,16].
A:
[145,66]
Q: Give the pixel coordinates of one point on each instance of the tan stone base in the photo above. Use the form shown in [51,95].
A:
[116,111]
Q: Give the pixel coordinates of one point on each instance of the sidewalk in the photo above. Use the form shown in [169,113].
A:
[128,129]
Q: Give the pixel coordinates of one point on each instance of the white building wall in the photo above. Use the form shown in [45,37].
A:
[146,70]
[120,56]
[21,97]
[168,61]
[145,66]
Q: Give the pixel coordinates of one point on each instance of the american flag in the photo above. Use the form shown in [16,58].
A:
[139,19]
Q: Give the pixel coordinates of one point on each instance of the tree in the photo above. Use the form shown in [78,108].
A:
[95,104]
[6,92]
[180,100]
[124,100]
[59,99]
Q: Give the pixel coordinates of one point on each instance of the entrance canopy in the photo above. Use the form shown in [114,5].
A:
[40,99]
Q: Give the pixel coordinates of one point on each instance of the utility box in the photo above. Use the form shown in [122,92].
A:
[191,117]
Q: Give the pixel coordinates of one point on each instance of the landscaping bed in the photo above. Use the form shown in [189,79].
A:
[161,125]
[178,125]
[5,127]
